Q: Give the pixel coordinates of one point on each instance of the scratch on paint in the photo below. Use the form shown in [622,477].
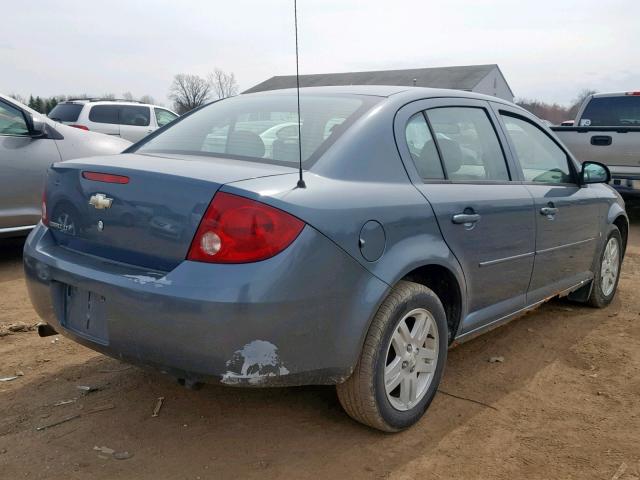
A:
[254,362]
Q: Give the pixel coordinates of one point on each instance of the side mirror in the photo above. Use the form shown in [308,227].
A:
[37,126]
[594,172]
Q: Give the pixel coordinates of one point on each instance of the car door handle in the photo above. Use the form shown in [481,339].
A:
[465,218]
[548,211]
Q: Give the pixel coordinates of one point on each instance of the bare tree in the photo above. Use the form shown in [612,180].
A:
[19,98]
[189,92]
[128,96]
[224,84]
[577,101]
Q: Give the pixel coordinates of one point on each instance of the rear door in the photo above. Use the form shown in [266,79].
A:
[23,165]
[486,219]
[567,215]
[135,122]
[104,119]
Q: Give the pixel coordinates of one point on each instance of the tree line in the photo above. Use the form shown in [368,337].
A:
[187,91]
[46,104]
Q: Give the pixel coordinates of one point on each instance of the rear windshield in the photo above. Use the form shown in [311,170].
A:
[262,128]
[66,112]
[612,111]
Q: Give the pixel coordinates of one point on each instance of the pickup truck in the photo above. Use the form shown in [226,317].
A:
[607,130]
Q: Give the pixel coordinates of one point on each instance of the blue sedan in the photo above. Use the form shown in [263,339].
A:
[426,217]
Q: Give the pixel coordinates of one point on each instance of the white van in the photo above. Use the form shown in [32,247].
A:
[126,119]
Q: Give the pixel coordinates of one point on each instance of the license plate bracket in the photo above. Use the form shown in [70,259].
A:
[85,314]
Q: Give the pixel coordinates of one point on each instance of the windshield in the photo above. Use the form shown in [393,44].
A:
[612,111]
[262,128]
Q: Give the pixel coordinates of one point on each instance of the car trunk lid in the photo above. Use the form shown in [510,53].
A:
[150,219]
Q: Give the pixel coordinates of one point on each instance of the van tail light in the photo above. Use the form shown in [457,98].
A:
[239,230]
[81,127]
[45,215]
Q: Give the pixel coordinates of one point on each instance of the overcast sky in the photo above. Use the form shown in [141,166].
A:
[547,49]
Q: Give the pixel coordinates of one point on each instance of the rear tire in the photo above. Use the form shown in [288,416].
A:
[607,275]
[402,361]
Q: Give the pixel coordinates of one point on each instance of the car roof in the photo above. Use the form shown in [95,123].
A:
[631,93]
[383,91]
[84,101]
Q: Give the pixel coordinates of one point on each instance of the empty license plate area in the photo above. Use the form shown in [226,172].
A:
[85,314]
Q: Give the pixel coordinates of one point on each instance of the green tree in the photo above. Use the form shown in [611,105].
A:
[38,105]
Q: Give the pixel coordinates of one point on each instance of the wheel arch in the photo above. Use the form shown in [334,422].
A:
[622,222]
[447,286]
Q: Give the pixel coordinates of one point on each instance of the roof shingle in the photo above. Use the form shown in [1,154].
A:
[459,78]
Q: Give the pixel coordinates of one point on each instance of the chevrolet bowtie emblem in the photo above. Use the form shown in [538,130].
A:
[100,201]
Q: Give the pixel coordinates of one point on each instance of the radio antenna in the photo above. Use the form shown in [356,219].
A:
[301,183]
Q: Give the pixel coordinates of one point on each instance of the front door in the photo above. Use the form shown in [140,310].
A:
[567,215]
[486,219]
[23,166]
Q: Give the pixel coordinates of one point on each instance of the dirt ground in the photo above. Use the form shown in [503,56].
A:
[564,404]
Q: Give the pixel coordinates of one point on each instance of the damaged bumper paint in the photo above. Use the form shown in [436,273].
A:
[297,318]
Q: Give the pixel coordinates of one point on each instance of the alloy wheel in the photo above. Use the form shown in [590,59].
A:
[412,356]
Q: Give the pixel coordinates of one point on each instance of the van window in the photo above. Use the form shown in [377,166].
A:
[134,116]
[422,148]
[104,114]
[540,158]
[164,116]
[66,112]
[468,144]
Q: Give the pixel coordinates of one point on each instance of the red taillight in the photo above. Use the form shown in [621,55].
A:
[633,94]
[105,177]
[45,216]
[81,127]
[238,230]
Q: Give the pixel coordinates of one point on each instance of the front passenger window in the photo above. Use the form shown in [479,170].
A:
[12,121]
[540,158]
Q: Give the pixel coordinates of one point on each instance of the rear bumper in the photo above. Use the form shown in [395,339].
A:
[297,318]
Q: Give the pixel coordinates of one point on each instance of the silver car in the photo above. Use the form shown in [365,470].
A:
[29,143]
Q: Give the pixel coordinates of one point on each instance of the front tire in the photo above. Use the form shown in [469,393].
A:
[607,275]
[402,361]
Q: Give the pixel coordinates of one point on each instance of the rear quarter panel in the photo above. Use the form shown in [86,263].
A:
[362,178]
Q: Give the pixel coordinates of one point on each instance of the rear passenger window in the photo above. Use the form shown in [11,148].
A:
[423,150]
[134,116]
[468,144]
[104,114]
[539,156]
